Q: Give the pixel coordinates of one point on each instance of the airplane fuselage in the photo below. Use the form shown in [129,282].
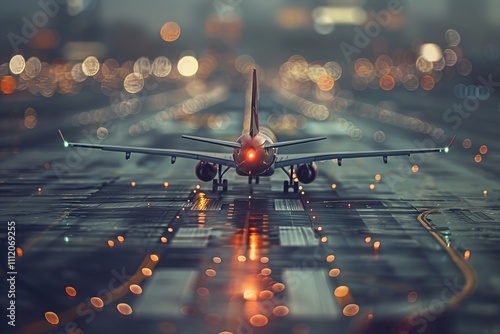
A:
[253,158]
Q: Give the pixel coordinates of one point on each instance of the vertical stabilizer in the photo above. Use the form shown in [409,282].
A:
[254,116]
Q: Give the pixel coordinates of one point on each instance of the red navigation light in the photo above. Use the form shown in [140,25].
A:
[251,153]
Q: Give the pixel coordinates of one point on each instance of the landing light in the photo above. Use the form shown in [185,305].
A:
[251,153]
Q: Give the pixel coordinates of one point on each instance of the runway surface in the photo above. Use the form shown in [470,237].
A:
[110,245]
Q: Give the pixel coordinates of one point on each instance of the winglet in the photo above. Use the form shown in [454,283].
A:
[62,137]
[447,148]
[254,117]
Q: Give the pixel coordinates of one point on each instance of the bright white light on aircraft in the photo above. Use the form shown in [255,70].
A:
[251,153]
[66,144]
[187,66]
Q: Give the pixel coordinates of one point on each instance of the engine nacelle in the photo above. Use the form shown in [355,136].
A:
[205,171]
[306,173]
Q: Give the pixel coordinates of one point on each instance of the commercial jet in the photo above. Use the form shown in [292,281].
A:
[255,155]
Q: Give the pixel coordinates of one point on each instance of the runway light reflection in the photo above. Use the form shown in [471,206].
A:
[278,287]
[350,310]
[266,294]
[259,320]
[70,291]
[334,272]
[97,302]
[341,291]
[135,289]
[146,272]
[210,272]
[280,311]
[51,318]
[467,255]
[376,245]
[124,309]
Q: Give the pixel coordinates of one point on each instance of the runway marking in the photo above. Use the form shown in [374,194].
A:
[297,236]
[468,272]
[288,205]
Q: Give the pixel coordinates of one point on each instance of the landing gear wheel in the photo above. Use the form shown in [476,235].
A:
[224,185]
[257,180]
[215,186]
[285,187]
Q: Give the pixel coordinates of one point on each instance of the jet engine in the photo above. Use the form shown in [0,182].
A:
[205,171]
[306,173]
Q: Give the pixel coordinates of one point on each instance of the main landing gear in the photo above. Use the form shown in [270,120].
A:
[219,182]
[290,184]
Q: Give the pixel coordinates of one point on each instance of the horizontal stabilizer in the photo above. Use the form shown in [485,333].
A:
[294,142]
[213,141]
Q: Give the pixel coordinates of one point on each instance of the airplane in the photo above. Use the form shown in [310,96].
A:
[255,155]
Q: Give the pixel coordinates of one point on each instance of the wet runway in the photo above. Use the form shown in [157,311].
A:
[110,245]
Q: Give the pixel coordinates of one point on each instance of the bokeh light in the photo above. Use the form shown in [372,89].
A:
[90,66]
[187,66]
[170,31]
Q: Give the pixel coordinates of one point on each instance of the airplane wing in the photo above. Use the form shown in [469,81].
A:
[294,159]
[216,158]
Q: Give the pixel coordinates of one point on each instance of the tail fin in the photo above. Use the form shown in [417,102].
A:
[254,116]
